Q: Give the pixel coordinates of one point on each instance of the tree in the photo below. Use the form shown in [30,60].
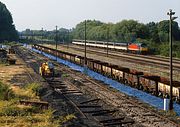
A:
[63,35]
[78,32]
[163,30]
[153,32]
[7,28]
[129,30]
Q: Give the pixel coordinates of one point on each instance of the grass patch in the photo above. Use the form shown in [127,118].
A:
[6,92]
[30,91]
[13,114]
[34,120]
[12,43]
[67,118]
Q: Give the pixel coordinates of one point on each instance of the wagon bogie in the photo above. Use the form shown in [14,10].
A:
[165,88]
[117,73]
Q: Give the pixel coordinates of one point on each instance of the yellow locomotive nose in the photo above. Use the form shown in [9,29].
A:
[144,49]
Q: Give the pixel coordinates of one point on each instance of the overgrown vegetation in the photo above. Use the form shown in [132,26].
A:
[13,114]
[32,89]
[6,92]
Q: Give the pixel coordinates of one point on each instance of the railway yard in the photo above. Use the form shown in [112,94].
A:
[126,68]
[146,63]
[92,102]
[98,66]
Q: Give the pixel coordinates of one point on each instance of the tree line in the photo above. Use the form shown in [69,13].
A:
[155,35]
[124,31]
[7,28]
[127,30]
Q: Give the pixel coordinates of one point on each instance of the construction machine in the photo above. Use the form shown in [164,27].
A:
[46,69]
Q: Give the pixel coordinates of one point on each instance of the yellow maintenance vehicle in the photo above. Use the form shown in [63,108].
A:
[46,69]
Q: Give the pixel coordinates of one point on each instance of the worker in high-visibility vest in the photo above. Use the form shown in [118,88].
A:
[46,69]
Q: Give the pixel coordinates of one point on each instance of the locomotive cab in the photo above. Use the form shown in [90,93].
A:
[140,48]
[143,48]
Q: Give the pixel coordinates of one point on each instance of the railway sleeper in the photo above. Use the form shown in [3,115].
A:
[149,114]
[104,112]
[89,101]
[89,106]
[112,120]
[120,123]
[95,111]
[53,81]
[58,86]
[55,84]
[41,104]
[72,92]
[68,90]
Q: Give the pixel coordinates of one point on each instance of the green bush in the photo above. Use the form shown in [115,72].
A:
[14,110]
[6,92]
[164,49]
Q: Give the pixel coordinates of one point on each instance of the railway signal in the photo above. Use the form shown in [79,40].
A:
[171,13]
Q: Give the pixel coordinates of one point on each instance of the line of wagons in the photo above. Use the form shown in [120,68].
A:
[156,85]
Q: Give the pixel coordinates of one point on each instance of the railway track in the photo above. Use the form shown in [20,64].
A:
[140,59]
[127,108]
[92,109]
[131,107]
[150,57]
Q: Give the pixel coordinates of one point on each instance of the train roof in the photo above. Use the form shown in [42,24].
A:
[138,43]
[110,42]
[113,43]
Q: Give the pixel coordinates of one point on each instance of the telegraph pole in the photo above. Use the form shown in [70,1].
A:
[68,39]
[170,13]
[56,43]
[85,61]
[107,39]
[42,35]
[32,36]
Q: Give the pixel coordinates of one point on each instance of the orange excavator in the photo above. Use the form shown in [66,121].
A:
[46,69]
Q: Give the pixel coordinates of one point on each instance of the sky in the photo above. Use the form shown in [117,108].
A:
[46,14]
